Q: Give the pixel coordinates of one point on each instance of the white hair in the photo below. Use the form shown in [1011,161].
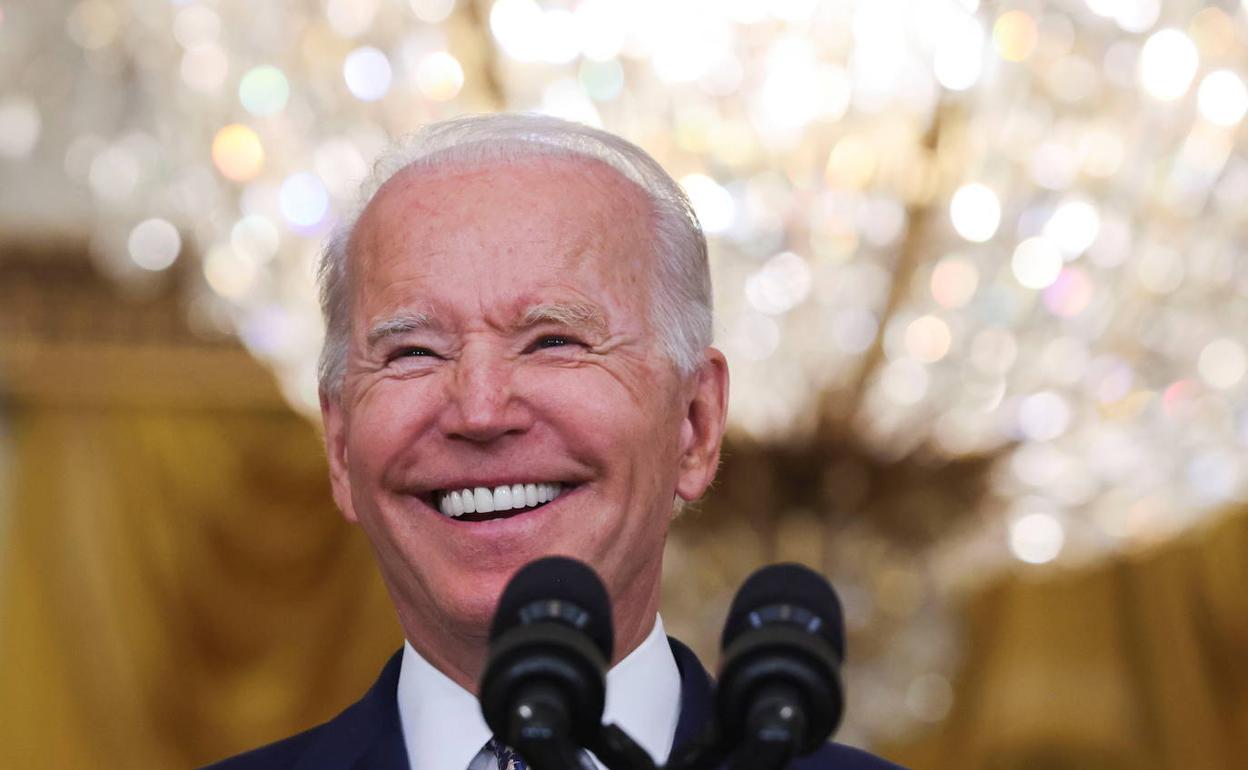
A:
[681,282]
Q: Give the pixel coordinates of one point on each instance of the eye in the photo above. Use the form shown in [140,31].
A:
[411,352]
[552,341]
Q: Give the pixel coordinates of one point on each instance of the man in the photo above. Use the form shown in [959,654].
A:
[517,364]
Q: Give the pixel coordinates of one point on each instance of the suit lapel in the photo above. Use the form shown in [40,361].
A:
[695,696]
[367,734]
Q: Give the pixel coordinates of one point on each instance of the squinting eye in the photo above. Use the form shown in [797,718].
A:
[410,353]
[549,341]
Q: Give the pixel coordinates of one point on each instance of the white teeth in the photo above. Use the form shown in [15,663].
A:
[502,498]
[485,500]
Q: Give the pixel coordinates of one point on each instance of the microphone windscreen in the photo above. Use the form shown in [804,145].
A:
[566,590]
[787,584]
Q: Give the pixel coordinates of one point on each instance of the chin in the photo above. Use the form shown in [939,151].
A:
[468,606]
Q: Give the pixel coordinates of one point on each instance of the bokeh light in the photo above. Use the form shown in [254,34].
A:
[367,73]
[1222,363]
[1014,35]
[154,244]
[237,152]
[953,282]
[229,274]
[439,76]
[350,18]
[1037,538]
[20,124]
[263,90]
[518,26]
[1222,98]
[1036,263]
[780,284]
[904,381]
[113,174]
[432,11]
[255,238]
[928,339]
[1167,64]
[713,204]
[204,68]
[196,25]
[1073,226]
[959,55]
[603,27]
[1043,416]
[851,163]
[975,211]
[1069,294]
[303,199]
[602,80]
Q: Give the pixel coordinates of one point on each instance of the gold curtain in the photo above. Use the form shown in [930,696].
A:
[1140,663]
[176,583]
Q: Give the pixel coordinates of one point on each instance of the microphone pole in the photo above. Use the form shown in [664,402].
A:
[779,694]
[543,689]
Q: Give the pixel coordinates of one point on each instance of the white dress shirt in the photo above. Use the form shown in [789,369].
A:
[443,728]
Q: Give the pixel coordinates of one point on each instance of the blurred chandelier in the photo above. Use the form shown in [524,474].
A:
[958,230]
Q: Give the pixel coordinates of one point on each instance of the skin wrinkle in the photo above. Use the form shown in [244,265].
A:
[493,256]
[397,326]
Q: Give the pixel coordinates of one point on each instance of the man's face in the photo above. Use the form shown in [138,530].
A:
[501,335]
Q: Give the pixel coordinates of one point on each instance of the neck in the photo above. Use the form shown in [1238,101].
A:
[462,656]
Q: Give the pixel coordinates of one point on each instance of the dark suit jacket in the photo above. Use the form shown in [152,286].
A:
[368,734]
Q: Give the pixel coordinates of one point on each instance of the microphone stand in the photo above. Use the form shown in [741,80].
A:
[774,731]
[540,731]
[618,751]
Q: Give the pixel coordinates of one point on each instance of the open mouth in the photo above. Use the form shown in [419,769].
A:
[486,503]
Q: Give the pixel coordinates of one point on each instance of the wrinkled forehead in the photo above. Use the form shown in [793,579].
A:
[583,187]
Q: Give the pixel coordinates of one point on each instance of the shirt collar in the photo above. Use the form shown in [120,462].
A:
[443,728]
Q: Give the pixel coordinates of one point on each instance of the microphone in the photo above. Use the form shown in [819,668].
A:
[551,639]
[780,694]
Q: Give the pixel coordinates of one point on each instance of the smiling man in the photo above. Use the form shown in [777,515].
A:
[517,364]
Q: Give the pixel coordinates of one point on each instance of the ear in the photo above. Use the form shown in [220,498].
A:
[336,453]
[703,428]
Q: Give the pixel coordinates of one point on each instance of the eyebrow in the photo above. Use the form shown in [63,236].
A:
[577,315]
[400,324]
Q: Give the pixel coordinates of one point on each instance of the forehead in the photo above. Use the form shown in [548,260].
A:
[560,203]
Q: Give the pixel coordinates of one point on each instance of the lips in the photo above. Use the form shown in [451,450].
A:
[478,502]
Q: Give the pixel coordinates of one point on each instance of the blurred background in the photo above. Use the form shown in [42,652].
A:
[980,274]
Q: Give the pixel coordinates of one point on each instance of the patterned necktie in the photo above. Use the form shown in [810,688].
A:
[507,759]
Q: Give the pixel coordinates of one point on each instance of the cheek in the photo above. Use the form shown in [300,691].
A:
[387,422]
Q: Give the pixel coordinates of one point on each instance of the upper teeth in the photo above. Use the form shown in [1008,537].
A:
[504,498]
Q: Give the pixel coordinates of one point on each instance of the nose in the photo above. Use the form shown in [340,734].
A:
[481,401]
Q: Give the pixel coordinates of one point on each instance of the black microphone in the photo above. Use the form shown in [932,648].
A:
[551,640]
[779,694]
